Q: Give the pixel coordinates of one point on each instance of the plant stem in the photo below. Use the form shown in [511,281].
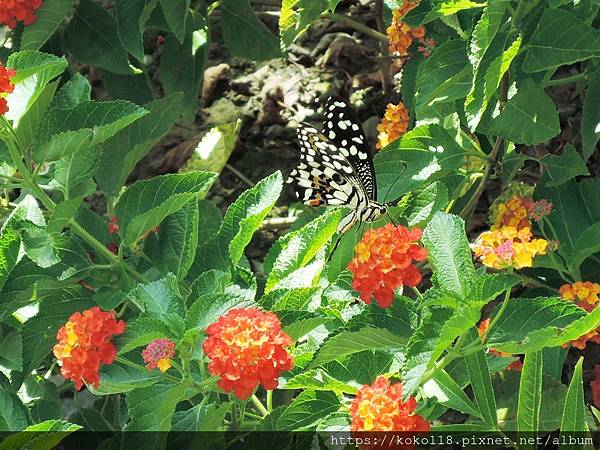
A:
[566,80]
[269,400]
[357,26]
[259,406]
[126,362]
[500,312]
[384,63]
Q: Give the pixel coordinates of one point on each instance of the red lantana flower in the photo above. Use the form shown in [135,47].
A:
[383,262]
[113,227]
[159,353]
[84,344]
[246,347]
[379,407]
[13,11]
[6,87]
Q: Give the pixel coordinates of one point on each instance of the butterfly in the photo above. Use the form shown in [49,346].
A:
[336,167]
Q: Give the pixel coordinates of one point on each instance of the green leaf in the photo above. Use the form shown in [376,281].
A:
[548,48]
[554,359]
[564,167]
[159,298]
[481,383]
[67,131]
[13,414]
[429,10]
[34,71]
[200,418]
[213,151]
[242,219]
[133,87]
[420,206]
[529,117]
[528,325]
[299,247]
[11,348]
[119,377]
[182,65]
[421,156]
[319,380]
[530,393]
[91,38]
[449,393]
[152,408]
[48,17]
[488,286]
[586,245]
[590,117]
[444,77]
[30,121]
[307,410]
[10,242]
[62,215]
[132,16]
[349,342]
[245,35]
[140,332]
[72,93]
[73,173]
[449,253]
[210,306]
[122,152]
[178,240]
[176,16]
[41,436]
[146,203]
[573,419]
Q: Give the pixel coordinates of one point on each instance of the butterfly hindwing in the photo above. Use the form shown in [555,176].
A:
[343,129]
[324,175]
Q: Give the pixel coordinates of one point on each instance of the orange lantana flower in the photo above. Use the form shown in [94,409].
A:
[6,87]
[585,295]
[247,348]
[393,125]
[84,344]
[383,261]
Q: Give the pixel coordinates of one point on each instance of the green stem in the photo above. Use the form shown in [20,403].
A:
[500,312]
[270,400]
[259,406]
[566,80]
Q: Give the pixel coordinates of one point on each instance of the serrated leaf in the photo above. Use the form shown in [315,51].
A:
[30,121]
[209,307]
[300,247]
[242,219]
[48,17]
[66,131]
[40,436]
[73,173]
[90,37]
[528,325]
[449,253]
[590,117]
[11,349]
[420,206]
[444,77]
[132,16]
[213,151]
[200,418]
[145,204]
[573,418]
[62,215]
[159,298]
[119,377]
[349,342]
[529,117]
[176,13]
[548,48]
[10,243]
[429,10]
[140,332]
[488,286]
[122,152]
[421,156]
[530,393]
[72,93]
[564,167]
[13,414]
[319,380]
[307,410]
[152,408]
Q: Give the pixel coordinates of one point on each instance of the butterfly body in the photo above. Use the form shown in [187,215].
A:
[336,167]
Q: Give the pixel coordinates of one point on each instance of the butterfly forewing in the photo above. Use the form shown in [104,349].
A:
[324,175]
[343,130]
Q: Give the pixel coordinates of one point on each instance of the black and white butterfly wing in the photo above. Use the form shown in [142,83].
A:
[342,128]
[324,175]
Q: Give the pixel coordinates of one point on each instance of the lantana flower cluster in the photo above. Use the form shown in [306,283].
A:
[247,348]
[159,354]
[518,211]
[379,407]
[516,365]
[383,262]
[84,344]
[6,87]
[393,125]
[13,11]
[585,295]
[401,35]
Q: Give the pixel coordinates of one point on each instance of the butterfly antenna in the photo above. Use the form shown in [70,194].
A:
[335,246]
[392,219]
[392,185]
